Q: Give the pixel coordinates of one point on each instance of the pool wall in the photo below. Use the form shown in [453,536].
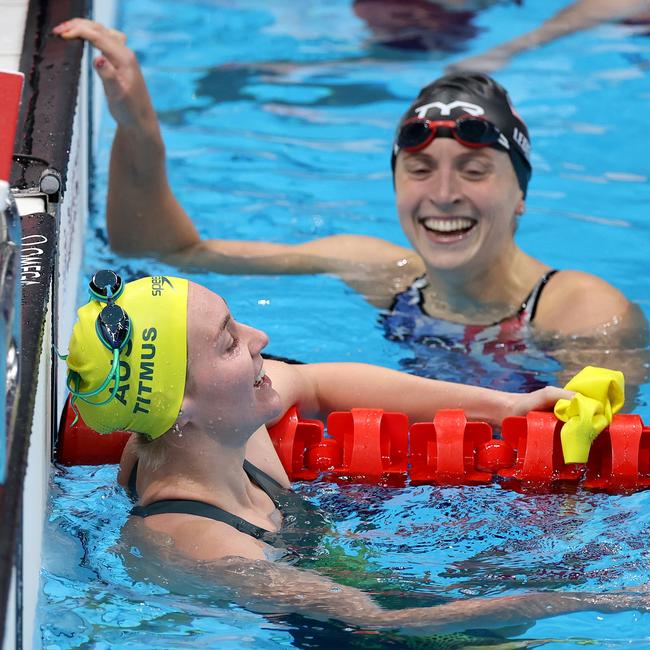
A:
[54,128]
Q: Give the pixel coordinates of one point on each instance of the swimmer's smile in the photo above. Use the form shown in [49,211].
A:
[261,379]
[447,229]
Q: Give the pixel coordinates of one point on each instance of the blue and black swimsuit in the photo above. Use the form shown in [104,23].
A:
[502,355]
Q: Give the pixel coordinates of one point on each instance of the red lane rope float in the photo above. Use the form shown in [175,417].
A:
[293,434]
[536,437]
[372,446]
[80,445]
[445,451]
[620,456]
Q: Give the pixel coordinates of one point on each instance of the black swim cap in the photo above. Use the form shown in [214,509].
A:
[478,95]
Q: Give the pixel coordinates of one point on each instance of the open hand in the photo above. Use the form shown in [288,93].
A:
[118,68]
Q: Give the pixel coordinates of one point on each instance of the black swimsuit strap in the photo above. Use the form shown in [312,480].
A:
[263,481]
[200,509]
[529,305]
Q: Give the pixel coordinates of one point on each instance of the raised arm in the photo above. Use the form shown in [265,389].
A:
[144,217]
[579,15]
[318,389]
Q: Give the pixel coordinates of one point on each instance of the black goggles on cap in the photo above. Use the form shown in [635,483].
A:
[113,327]
[113,324]
[473,132]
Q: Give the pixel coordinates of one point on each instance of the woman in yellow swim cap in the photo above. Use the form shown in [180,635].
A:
[199,395]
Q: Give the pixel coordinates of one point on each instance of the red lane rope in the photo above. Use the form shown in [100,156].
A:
[375,446]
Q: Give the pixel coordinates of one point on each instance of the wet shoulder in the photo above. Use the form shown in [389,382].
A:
[577,303]
[198,538]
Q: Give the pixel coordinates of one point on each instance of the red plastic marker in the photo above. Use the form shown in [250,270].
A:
[11,88]
[444,451]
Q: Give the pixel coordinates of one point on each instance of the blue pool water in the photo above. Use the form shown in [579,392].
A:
[298,150]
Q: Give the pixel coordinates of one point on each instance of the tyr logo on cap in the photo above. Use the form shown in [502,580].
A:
[446,109]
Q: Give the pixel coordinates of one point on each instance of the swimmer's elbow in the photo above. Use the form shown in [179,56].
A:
[124,246]
[128,246]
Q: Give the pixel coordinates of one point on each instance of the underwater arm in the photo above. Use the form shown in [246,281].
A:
[633,362]
[578,16]
[182,548]
[274,587]
[614,341]
[229,561]
[318,389]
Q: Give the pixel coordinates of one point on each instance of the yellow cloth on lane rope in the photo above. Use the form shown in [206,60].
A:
[600,393]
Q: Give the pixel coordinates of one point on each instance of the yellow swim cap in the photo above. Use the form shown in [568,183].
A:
[152,364]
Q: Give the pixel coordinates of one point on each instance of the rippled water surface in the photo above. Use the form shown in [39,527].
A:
[278,119]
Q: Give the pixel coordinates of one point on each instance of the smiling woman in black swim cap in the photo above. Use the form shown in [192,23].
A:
[482,113]
[462,165]
[461,161]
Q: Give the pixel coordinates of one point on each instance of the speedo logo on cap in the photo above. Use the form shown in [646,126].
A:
[158,283]
[446,109]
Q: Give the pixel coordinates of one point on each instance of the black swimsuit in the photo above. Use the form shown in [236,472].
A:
[301,520]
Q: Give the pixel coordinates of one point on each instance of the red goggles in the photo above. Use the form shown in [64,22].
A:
[473,132]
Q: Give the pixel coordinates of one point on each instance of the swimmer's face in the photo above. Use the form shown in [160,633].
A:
[226,388]
[458,206]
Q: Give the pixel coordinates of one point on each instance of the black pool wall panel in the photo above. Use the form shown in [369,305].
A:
[52,69]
